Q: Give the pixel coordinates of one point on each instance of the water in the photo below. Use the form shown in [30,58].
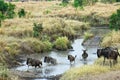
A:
[63,65]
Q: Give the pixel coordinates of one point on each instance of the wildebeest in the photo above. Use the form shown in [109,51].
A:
[71,58]
[109,53]
[49,59]
[85,54]
[33,62]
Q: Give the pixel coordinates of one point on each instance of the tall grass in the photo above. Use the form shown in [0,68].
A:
[76,73]
[111,39]
[4,72]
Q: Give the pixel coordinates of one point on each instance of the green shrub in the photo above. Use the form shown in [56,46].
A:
[37,29]
[21,13]
[64,3]
[87,36]
[114,22]
[78,3]
[6,10]
[47,46]
[62,43]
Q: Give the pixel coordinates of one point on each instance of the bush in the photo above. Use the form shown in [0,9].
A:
[78,3]
[64,3]
[87,36]
[62,43]
[6,10]
[47,46]
[21,13]
[114,22]
[37,29]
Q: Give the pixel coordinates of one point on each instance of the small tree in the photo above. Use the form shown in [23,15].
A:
[6,10]
[21,13]
[114,22]
[10,11]
[37,29]
[78,3]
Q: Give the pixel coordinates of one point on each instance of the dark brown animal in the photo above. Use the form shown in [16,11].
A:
[71,58]
[48,59]
[33,62]
[109,53]
[84,55]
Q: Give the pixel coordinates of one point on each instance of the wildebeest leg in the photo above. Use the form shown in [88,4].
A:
[110,63]
[74,61]
[104,61]
[39,66]
[114,62]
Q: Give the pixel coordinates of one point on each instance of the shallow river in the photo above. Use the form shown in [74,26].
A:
[63,65]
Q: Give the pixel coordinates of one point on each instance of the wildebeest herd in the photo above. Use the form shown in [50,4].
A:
[51,60]
[36,62]
[107,52]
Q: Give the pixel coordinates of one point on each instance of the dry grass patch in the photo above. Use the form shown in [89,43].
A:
[111,39]
[37,8]
[24,27]
[75,73]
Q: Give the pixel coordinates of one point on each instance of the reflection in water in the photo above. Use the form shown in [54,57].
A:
[63,63]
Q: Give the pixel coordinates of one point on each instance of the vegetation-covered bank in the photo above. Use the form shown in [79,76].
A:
[92,72]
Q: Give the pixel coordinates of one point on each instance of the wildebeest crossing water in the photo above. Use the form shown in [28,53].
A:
[63,64]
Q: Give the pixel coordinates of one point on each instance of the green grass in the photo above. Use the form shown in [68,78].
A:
[88,35]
